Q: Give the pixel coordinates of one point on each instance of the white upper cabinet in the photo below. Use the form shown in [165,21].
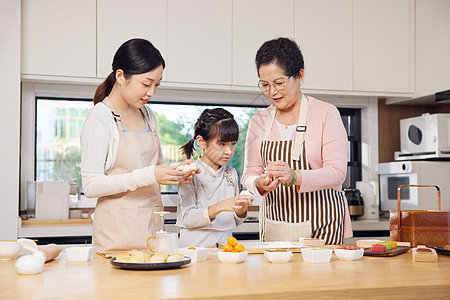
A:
[383,46]
[323,29]
[254,22]
[432,46]
[59,37]
[199,41]
[116,24]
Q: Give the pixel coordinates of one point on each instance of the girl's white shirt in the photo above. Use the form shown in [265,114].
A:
[99,145]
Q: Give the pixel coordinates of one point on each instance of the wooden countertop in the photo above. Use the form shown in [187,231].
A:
[371,277]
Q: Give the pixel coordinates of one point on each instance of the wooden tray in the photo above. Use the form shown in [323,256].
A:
[392,252]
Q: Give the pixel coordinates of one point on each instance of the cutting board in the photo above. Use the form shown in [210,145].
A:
[392,252]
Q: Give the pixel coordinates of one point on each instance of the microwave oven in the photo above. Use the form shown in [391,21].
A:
[424,137]
[393,174]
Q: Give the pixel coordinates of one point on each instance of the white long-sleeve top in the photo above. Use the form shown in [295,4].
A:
[99,146]
[204,190]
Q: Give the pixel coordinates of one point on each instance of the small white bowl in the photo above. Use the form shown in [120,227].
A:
[316,255]
[79,253]
[196,255]
[232,257]
[9,250]
[346,254]
[277,256]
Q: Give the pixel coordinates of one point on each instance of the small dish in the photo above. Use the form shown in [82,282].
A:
[197,254]
[232,257]
[349,254]
[277,256]
[9,250]
[317,255]
[79,253]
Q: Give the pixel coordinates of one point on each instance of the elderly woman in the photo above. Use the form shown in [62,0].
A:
[296,154]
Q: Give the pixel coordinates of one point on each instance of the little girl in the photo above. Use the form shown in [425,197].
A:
[210,206]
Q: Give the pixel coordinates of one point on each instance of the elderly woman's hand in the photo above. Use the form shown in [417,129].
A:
[280,170]
[266,183]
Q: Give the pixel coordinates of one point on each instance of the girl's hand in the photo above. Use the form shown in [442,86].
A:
[267,183]
[280,170]
[187,178]
[241,204]
[237,204]
[168,175]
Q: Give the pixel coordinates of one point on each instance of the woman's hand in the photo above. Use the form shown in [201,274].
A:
[266,183]
[188,177]
[168,175]
[280,170]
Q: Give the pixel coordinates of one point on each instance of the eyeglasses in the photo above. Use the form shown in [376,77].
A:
[278,84]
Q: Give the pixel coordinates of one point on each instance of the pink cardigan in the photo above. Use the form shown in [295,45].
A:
[326,150]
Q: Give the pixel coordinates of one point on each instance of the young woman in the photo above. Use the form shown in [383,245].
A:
[210,206]
[296,154]
[121,159]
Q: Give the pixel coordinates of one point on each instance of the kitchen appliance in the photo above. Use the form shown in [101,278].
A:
[371,198]
[48,200]
[394,174]
[355,202]
[424,137]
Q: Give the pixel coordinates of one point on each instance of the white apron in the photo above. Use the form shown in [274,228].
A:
[287,215]
[124,221]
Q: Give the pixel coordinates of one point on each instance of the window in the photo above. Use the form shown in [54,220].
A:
[59,123]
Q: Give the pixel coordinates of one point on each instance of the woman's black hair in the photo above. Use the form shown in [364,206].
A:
[135,56]
[283,52]
[216,122]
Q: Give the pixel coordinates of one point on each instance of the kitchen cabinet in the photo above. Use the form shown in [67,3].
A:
[432,46]
[323,29]
[267,20]
[59,37]
[199,45]
[114,27]
[383,46]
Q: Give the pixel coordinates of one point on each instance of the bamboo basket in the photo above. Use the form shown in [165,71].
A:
[420,227]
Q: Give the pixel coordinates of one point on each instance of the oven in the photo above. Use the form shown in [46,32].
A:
[394,174]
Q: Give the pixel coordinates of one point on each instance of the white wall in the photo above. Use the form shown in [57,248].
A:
[10,118]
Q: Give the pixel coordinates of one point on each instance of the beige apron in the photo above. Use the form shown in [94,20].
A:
[124,221]
[287,215]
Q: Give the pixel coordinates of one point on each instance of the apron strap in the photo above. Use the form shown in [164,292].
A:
[147,118]
[116,116]
[269,124]
[300,129]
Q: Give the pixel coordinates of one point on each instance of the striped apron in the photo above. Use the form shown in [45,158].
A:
[287,215]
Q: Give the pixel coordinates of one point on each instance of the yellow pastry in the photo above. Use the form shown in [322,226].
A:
[175,257]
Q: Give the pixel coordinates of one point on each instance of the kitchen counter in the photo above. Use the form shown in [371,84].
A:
[371,277]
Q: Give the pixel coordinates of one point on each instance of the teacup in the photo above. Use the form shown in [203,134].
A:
[166,242]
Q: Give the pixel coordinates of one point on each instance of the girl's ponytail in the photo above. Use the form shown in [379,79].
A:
[188,148]
[104,89]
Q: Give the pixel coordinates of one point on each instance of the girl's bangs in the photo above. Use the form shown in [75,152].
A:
[229,130]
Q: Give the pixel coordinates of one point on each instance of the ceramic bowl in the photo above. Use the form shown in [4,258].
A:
[277,256]
[196,255]
[310,242]
[79,253]
[9,250]
[316,255]
[232,257]
[346,254]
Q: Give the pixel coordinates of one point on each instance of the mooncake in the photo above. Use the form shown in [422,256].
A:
[378,248]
